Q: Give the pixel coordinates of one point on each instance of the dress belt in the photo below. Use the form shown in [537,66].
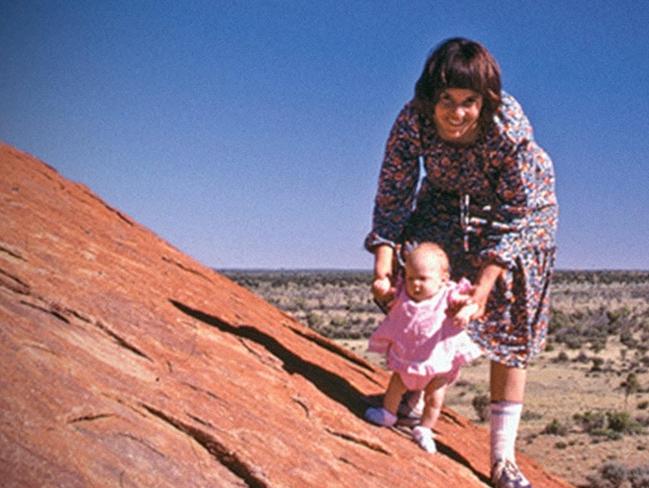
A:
[472,224]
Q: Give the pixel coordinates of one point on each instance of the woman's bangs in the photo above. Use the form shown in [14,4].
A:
[461,75]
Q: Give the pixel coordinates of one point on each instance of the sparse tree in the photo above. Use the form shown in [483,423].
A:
[631,386]
[481,404]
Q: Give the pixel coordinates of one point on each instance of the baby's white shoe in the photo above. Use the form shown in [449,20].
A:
[423,436]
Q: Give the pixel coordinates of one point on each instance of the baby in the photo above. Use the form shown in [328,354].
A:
[423,346]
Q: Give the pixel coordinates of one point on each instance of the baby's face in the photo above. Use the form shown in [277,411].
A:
[425,276]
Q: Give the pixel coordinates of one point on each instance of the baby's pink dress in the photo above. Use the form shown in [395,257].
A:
[421,342]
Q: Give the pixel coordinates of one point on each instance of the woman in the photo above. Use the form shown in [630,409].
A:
[488,198]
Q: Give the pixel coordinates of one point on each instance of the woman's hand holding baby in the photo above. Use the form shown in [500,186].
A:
[461,307]
[471,303]
[467,312]
[383,291]
[381,286]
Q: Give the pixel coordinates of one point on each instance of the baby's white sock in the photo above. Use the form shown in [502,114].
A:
[505,417]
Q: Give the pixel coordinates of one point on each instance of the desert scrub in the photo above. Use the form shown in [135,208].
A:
[590,421]
[315,320]
[615,475]
[598,362]
[581,327]
[589,307]
[556,427]
[529,415]
[623,423]
[631,385]
[611,425]
[562,357]
[561,445]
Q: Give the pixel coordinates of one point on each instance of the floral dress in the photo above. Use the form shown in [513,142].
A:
[489,202]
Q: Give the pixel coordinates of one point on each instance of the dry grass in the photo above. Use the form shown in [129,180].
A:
[599,336]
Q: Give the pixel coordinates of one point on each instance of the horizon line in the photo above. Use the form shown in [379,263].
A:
[369,270]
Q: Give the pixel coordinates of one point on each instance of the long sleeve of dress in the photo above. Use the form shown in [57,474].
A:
[526,202]
[398,179]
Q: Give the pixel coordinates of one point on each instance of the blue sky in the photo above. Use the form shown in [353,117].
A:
[250,133]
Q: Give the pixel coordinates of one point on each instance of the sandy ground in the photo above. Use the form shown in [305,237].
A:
[558,391]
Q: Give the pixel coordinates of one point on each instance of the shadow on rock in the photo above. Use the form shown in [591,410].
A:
[330,384]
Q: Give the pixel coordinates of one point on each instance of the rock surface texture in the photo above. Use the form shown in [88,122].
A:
[124,362]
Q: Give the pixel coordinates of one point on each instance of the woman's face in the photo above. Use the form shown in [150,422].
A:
[457,115]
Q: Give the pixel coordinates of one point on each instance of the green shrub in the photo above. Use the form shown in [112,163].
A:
[598,345]
[623,423]
[631,385]
[611,475]
[615,315]
[338,321]
[626,338]
[531,415]
[555,427]
[562,357]
[558,320]
[572,341]
[315,320]
[639,476]
[597,363]
[605,434]
[612,425]
[591,421]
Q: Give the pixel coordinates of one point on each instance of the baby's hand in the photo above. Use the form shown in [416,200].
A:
[465,314]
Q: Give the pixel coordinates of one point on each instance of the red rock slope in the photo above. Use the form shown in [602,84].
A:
[123,362]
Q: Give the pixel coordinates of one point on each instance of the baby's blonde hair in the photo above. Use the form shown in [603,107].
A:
[433,251]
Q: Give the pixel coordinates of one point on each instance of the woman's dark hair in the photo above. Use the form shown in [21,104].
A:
[460,63]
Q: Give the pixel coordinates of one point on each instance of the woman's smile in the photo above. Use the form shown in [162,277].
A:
[457,114]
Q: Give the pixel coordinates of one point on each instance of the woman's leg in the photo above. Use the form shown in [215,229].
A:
[507,394]
[507,384]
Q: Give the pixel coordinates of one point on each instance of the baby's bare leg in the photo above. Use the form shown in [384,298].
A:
[434,394]
[393,394]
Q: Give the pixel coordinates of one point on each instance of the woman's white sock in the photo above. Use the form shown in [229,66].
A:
[505,417]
